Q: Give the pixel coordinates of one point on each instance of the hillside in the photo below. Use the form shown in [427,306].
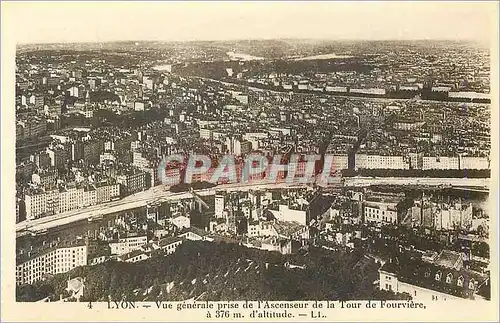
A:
[209,271]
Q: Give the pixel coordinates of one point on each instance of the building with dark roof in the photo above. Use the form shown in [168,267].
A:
[442,278]
[170,244]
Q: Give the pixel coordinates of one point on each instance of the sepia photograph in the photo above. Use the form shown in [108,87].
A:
[250,161]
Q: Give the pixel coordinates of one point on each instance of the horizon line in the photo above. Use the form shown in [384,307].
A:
[463,40]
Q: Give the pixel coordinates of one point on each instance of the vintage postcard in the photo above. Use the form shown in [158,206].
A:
[250,161]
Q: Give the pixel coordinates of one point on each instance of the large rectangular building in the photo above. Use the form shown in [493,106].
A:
[380,213]
[58,259]
[128,244]
[40,203]
[440,162]
[132,182]
[368,161]
[471,162]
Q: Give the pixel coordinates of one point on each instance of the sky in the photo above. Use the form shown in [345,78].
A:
[54,22]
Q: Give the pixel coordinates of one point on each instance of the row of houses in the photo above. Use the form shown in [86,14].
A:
[42,202]
[410,161]
[418,161]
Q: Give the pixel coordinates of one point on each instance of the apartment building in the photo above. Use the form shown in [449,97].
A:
[368,161]
[44,177]
[380,213]
[128,244]
[170,244]
[33,266]
[41,203]
[440,162]
[132,182]
[381,209]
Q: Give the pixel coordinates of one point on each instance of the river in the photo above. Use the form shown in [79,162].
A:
[323,56]
[244,57]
